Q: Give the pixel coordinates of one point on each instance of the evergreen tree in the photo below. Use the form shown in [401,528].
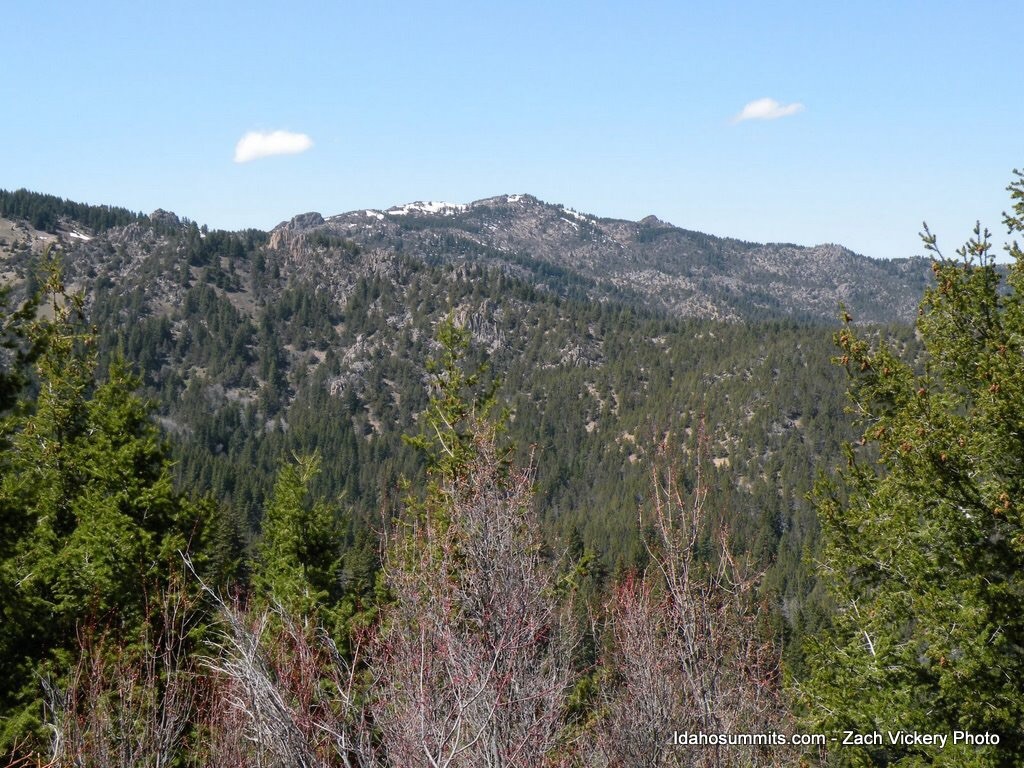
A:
[474,653]
[458,401]
[299,557]
[924,528]
[91,521]
[18,348]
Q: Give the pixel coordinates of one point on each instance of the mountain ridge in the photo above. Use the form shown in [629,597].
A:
[650,263]
[684,272]
[315,337]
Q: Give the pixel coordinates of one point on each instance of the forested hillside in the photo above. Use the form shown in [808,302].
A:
[275,462]
[260,347]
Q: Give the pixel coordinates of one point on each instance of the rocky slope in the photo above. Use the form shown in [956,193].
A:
[656,264]
[650,263]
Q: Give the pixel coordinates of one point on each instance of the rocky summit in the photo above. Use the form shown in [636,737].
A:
[650,262]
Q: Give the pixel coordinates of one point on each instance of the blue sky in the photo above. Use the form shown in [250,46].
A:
[901,112]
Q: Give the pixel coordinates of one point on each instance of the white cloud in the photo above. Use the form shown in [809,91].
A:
[767,109]
[257,144]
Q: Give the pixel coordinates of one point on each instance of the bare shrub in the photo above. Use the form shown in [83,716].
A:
[282,695]
[126,706]
[474,653]
[686,652]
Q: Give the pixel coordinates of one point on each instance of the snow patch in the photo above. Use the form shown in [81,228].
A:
[445,209]
[575,214]
[80,236]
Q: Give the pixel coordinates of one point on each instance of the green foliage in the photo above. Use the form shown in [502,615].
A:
[91,520]
[457,405]
[924,528]
[298,562]
[19,346]
[43,211]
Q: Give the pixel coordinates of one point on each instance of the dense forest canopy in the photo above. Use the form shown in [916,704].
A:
[44,211]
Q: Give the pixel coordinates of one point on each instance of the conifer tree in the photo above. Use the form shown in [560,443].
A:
[18,348]
[299,557]
[923,529]
[92,522]
[474,652]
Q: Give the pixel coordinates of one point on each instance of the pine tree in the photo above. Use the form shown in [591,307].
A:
[299,557]
[18,348]
[458,402]
[923,530]
[92,522]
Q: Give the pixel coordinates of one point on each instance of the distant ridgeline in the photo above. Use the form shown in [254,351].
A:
[44,211]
